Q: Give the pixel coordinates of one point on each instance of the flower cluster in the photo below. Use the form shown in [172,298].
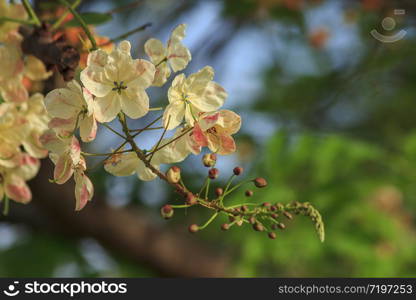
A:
[23,118]
[114,86]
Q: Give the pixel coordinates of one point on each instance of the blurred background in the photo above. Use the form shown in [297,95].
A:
[328,117]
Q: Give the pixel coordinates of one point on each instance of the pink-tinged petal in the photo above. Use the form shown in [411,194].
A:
[93,78]
[209,120]
[75,151]
[64,103]
[199,136]
[229,121]
[84,190]
[63,169]
[51,142]
[88,129]
[34,147]
[155,50]
[17,189]
[144,74]
[162,74]
[226,146]
[28,166]
[123,164]
[107,108]
[14,92]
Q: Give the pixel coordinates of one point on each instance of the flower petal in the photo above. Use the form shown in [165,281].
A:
[17,189]
[213,98]
[106,108]
[144,74]
[84,190]
[124,164]
[155,50]
[173,115]
[135,103]
[88,128]
[145,173]
[63,169]
[63,103]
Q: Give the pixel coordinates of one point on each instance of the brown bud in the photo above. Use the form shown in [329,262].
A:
[213,173]
[244,208]
[266,204]
[209,160]
[274,216]
[190,199]
[260,182]
[282,226]
[249,193]
[225,226]
[258,227]
[238,170]
[231,218]
[272,235]
[273,208]
[288,215]
[166,211]
[173,174]
[252,220]
[193,228]
[219,191]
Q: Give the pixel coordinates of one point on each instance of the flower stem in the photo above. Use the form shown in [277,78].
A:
[64,15]
[31,12]
[209,221]
[113,130]
[6,206]
[82,23]
[127,34]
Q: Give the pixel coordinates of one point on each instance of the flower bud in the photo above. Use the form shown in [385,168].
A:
[288,215]
[252,220]
[225,227]
[193,228]
[173,174]
[272,235]
[209,160]
[258,227]
[190,199]
[249,193]
[166,211]
[282,226]
[238,170]
[274,216]
[219,191]
[213,173]
[260,182]
[266,204]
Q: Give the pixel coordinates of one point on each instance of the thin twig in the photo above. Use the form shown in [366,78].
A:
[82,23]
[31,12]
[170,142]
[112,130]
[160,139]
[126,35]
[64,15]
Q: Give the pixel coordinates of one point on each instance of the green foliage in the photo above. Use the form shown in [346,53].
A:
[351,183]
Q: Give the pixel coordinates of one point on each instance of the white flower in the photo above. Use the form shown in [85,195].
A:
[72,107]
[189,97]
[118,82]
[175,54]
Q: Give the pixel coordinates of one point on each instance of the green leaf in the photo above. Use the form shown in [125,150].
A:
[91,18]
